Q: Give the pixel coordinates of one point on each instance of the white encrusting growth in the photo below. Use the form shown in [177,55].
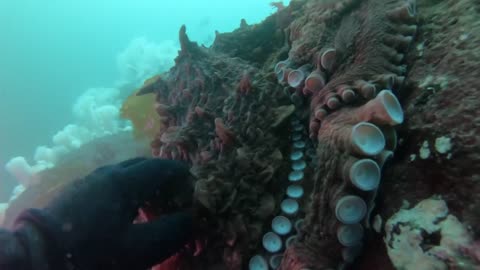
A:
[424,150]
[443,144]
[409,231]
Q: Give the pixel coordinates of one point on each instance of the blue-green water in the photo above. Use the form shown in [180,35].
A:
[53,51]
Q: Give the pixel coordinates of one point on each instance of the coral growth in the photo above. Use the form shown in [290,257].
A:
[428,237]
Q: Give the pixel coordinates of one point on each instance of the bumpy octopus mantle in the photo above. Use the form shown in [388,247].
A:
[287,126]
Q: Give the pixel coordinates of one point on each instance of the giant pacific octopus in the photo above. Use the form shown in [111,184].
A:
[287,133]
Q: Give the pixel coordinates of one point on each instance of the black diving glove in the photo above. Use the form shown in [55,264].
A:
[89,225]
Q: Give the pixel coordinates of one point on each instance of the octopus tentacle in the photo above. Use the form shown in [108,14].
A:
[360,135]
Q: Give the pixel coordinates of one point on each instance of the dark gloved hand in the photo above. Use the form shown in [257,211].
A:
[89,226]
